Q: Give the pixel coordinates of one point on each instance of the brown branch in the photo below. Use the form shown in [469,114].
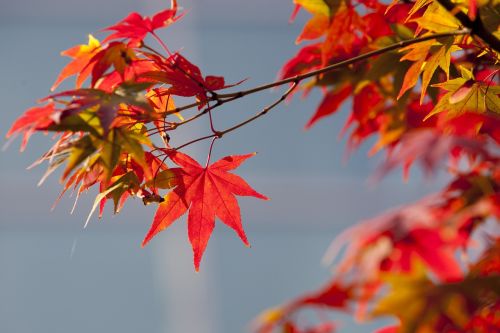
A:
[195,140]
[219,134]
[224,98]
[264,111]
[475,26]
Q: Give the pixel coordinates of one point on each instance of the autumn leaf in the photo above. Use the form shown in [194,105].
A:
[424,306]
[408,297]
[34,119]
[135,27]
[314,6]
[206,193]
[436,19]
[346,35]
[330,104]
[416,53]
[430,147]
[116,55]
[131,74]
[100,104]
[161,102]
[185,78]
[333,295]
[81,55]
[320,21]
[308,58]
[465,94]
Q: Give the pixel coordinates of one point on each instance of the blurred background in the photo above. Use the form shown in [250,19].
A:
[56,276]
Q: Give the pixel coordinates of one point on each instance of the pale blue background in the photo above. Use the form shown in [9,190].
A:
[56,277]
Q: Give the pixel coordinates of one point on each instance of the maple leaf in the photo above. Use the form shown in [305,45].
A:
[489,262]
[330,104]
[102,104]
[466,93]
[308,58]
[81,55]
[320,21]
[131,74]
[417,53]
[206,192]
[116,54]
[408,297]
[436,19]
[135,27]
[34,119]
[430,147]
[185,78]
[346,35]
[424,306]
[333,295]
[427,57]
[162,102]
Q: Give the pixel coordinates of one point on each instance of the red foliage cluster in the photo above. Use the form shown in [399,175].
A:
[422,78]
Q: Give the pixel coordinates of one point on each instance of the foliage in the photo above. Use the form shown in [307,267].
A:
[423,78]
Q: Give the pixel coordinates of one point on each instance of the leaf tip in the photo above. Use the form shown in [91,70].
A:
[145,242]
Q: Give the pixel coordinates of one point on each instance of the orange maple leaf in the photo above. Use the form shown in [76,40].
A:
[206,192]
[81,54]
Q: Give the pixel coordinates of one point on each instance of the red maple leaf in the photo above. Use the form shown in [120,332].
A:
[35,119]
[206,192]
[330,104]
[185,78]
[117,55]
[135,27]
[332,295]
[307,59]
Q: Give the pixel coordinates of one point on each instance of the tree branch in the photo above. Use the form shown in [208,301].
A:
[219,134]
[224,98]
[476,26]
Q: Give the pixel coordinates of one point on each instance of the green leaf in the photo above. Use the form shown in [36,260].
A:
[110,152]
[131,145]
[79,152]
[125,182]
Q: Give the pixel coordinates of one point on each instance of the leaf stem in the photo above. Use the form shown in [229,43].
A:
[160,41]
[210,151]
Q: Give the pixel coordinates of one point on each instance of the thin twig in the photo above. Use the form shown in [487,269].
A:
[264,111]
[219,134]
[194,141]
[347,62]
[224,98]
